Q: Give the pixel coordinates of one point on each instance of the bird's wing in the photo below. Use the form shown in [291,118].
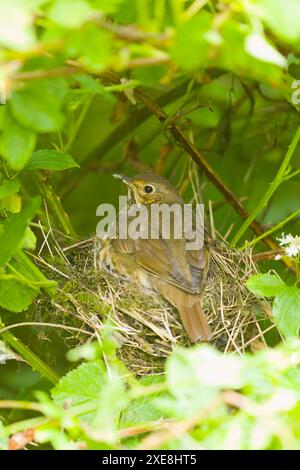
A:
[166,259]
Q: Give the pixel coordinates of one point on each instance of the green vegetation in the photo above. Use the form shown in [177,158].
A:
[205,93]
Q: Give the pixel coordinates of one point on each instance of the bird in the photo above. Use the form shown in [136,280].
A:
[162,265]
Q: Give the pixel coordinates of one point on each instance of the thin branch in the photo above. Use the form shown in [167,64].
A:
[175,131]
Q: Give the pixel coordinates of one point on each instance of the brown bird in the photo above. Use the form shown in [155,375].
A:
[163,265]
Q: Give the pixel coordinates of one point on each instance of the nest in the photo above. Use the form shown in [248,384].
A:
[145,326]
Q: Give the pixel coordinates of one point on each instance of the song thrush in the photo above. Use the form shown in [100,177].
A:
[162,265]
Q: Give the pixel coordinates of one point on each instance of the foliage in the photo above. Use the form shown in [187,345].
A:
[72,113]
[206,400]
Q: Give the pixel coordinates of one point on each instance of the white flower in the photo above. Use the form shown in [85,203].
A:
[291,245]
[286,239]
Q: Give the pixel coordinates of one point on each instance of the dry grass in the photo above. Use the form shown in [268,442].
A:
[145,326]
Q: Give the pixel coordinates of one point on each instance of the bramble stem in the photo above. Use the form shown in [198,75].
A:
[29,356]
[279,178]
[271,230]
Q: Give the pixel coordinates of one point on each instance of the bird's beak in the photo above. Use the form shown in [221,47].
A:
[127,181]
[122,178]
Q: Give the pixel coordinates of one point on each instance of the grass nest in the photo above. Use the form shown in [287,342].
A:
[146,327]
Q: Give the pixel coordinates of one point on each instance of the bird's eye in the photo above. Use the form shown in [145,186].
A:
[148,189]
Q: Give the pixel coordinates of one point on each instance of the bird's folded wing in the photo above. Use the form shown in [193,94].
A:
[166,259]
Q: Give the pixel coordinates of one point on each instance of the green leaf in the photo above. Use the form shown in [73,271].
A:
[50,160]
[286,311]
[281,17]
[293,65]
[194,377]
[15,295]
[16,142]
[12,203]
[112,401]
[9,187]
[71,13]
[266,285]
[106,6]
[29,240]
[91,85]
[191,36]
[13,230]
[143,409]
[81,384]
[92,46]
[36,110]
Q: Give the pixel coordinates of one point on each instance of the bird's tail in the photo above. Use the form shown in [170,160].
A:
[190,310]
[195,322]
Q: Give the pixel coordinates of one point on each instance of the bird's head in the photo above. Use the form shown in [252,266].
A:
[151,189]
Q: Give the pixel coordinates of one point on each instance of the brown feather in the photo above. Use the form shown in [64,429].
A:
[190,310]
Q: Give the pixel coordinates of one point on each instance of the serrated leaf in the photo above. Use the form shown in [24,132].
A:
[266,285]
[36,110]
[16,142]
[13,230]
[143,409]
[286,311]
[15,295]
[50,160]
[9,187]
[81,384]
